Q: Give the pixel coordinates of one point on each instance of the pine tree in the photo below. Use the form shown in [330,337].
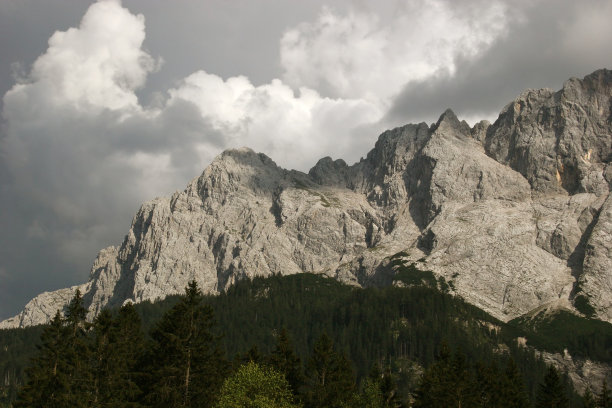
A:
[604,400]
[252,355]
[551,393]
[100,366]
[512,392]
[186,367]
[128,340]
[371,395]
[447,383]
[77,352]
[489,385]
[48,381]
[588,401]
[329,379]
[116,346]
[284,359]
[434,389]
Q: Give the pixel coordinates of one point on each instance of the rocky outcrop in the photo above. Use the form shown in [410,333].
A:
[560,141]
[582,372]
[514,215]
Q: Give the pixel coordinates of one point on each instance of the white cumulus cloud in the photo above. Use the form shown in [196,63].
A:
[359,55]
[83,151]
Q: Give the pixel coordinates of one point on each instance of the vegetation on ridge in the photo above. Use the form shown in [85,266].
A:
[378,346]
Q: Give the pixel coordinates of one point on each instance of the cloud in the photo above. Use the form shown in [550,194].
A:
[548,42]
[98,65]
[295,128]
[80,152]
[359,55]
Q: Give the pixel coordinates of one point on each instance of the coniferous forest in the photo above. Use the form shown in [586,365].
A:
[294,341]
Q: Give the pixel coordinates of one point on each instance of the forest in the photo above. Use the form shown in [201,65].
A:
[298,341]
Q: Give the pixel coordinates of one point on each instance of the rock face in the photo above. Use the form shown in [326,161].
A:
[514,215]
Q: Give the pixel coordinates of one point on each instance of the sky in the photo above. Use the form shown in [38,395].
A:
[109,104]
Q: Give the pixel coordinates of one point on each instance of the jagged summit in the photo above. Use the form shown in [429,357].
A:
[514,215]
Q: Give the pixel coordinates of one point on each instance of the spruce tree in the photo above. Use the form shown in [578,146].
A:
[186,366]
[100,364]
[77,353]
[329,377]
[389,390]
[128,341]
[447,383]
[60,375]
[252,355]
[435,389]
[116,345]
[604,400]
[588,401]
[48,381]
[284,359]
[551,393]
[513,393]
[371,394]
[489,385]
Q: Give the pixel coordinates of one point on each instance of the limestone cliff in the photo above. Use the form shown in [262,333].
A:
[516,214]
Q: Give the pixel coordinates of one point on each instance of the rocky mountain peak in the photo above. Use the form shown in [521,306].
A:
[449,123]
[560,141]
[514,215]
[330,172]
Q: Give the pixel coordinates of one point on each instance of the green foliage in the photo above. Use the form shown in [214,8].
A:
[411,275]
[117,344]
[48,380]
[380,390]
[397,329]
[448,383]
[582,303]
[604,399]
[552,394]
[185,364]
[17,348]
[329,377]
[582,337]
[588,399]
[512,388]
[284,359]
[255,386]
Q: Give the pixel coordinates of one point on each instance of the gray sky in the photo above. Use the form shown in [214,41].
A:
[106,105]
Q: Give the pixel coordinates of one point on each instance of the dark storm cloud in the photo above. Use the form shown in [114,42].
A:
[549,42]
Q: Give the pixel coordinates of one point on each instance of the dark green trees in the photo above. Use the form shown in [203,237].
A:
[512,388]
[452,382]
[551,393]
[605,399]
[85,365]
[329,377]
[588,399]
[284,359]
[186,366]
[116,345]
[58,375]
[48,380]
[447,383]
[380,390]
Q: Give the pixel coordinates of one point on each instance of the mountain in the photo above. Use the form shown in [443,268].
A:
[516,216]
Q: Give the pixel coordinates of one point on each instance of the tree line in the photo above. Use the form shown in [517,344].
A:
[179,359]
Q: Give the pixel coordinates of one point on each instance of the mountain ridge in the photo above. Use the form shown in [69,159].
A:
[516,214]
